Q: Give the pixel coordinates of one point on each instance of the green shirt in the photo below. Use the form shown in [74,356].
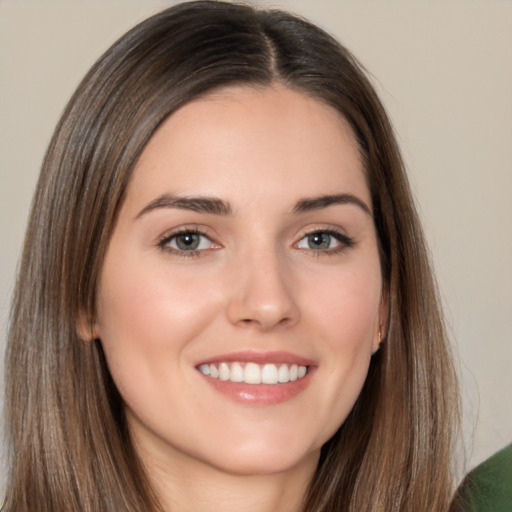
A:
[488,487]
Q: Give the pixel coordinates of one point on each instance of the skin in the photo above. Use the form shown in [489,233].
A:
[255,284]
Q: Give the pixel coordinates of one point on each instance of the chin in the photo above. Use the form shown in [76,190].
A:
[263,458]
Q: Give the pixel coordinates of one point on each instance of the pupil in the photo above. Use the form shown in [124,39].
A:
[319,241]
[188,241]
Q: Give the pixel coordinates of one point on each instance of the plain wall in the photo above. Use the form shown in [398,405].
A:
[444,71]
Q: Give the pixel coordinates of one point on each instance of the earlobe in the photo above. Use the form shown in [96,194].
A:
[377,343]
[383,320]
[86,328]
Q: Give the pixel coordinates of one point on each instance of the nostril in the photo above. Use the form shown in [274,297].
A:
[260,307]
[265,323]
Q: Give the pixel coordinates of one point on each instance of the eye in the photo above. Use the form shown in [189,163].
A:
[189,241]
[328,241]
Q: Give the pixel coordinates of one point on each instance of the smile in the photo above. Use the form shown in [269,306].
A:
[253,373]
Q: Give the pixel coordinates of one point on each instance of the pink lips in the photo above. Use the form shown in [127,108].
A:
[261,358]
[260,394]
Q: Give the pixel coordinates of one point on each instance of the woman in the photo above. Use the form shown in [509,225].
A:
[224,298]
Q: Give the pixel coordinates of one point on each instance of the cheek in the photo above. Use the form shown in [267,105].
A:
[346,317]
[353,328]
[148,301]
[147,315]
[347,308]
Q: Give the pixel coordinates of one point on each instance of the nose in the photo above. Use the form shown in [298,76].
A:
[262,294]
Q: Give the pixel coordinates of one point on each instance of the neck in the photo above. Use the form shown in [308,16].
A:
[186,486]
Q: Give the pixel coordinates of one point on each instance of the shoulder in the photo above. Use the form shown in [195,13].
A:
[488,487]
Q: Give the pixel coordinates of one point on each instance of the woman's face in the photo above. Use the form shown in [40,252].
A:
[240,297]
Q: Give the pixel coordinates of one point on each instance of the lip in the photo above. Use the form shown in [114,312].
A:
[260,394]
[278,357]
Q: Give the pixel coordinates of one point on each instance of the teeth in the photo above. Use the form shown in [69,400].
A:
[283,374]
[214,372]
[223,371]
[252,373]
[269,374]
[204,369]
[237,373]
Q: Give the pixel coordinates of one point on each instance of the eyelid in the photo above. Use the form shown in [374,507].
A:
[345,241]
[164,240]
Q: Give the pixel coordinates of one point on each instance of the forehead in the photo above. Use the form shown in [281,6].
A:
[241,142]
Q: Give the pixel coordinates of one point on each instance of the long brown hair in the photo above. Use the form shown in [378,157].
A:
[70,449]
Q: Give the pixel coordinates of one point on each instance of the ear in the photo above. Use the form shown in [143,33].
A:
[87,328]
[382,327]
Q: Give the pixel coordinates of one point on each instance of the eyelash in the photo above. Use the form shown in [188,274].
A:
[345,242]
[164,242]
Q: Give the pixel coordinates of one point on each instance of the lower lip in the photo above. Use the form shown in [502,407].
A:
[260,394]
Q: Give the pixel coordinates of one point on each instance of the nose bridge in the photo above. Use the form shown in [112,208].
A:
[263,294]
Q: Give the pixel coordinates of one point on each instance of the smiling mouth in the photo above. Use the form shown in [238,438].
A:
[253,373]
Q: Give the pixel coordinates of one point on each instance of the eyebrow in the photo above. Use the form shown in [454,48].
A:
[216,206]
[317,203]
[210,205]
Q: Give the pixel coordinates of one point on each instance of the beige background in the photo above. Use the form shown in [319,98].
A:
[444,71]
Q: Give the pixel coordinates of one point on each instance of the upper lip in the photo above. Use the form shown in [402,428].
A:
[278,357]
